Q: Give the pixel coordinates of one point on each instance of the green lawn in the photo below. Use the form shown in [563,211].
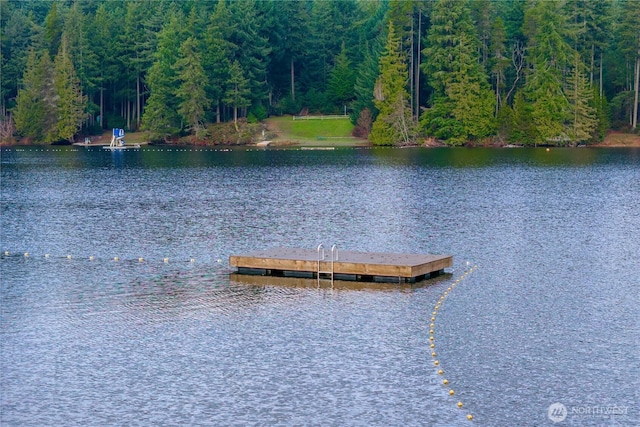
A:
[320,132]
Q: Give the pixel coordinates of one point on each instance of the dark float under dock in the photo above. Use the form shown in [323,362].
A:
[341,265]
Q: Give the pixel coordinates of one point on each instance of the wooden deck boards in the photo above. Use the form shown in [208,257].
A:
[365,265]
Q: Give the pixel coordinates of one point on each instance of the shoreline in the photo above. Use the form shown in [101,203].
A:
[614,139]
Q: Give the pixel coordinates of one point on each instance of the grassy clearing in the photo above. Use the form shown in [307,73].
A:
[312,132]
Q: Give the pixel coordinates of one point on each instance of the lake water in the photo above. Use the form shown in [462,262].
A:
[550,315]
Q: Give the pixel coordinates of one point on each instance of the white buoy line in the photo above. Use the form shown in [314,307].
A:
[93,258]
[432,329]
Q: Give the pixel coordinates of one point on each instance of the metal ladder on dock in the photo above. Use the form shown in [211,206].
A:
[322,257]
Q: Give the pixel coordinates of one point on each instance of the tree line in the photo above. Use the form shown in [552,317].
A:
[559,72]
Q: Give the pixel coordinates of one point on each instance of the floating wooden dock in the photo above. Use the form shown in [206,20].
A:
[343,265]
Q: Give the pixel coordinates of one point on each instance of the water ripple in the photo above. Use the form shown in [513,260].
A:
[550,316]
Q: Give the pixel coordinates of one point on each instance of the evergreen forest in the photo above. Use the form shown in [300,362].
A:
[553,72]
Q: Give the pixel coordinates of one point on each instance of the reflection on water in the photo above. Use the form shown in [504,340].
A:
[352,285]
[549,316]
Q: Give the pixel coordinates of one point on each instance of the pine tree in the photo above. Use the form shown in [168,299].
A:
[17,31]
[289,40]
[462,103]
[483,16]
[191,90]
[472,107]
[53,30]
[371,41]
[31,113]
[602,114]
[341,80]
[238,91]
[590,22]
[103,31]
[81,55]
[250,48]
[216,56]
[522,130]
[71,104]
[160,114]
[629,36]
[366,76]
[137,47]
[322,36]
[549,55]
[393,124]
[580,95]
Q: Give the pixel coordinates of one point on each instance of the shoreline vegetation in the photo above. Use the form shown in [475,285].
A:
[304,131]
[444,72]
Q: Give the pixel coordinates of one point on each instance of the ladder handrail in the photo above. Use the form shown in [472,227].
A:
[334,257]
[320,250]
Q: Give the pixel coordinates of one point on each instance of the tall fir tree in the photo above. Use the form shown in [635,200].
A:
[192,81]
[136,48]
[548,55]
[250,48]
[462,105]
[341,80]
[521,129]
[366,76]
[71,104]
[583,122]
[629,42]
[393,125]
[31,113]
[371,40]
[238,91]
[290,41]
[17,34]
[53,26]
[160,115]
[216,56]
[84,61]
[103,30]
